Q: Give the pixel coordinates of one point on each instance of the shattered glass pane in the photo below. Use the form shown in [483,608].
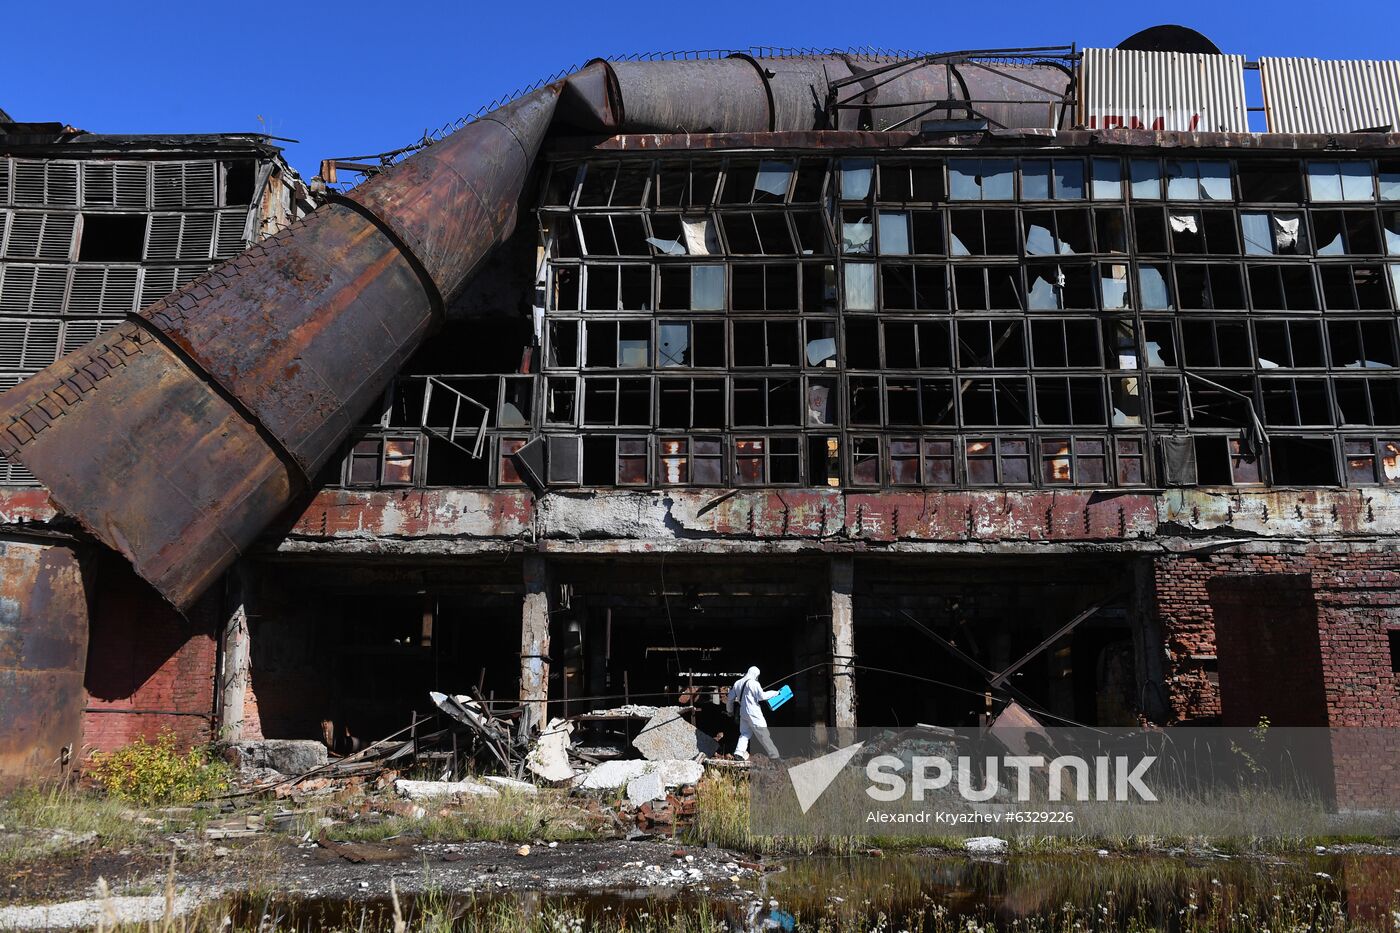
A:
[667,247]
[1392,232]
[821,350]
[707,288]
[1183,183]
[855,178]
[1113,279]
[1356,181]
[673,346]
[1389,180]
[1039,241]
[701,238]
[855,237]
[964,178]
[1258,240]
[1215,181]
[1043,295]
[773,178]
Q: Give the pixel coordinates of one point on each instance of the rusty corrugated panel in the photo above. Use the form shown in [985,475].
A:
[1162,91]
[43,653]
[1310,95]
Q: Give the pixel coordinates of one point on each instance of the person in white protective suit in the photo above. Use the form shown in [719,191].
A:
[748,694]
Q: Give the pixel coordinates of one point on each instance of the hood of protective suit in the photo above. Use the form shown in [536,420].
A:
[737,690]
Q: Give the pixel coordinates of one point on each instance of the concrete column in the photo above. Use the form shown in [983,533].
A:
[843,648]
[534,643]
[234,669]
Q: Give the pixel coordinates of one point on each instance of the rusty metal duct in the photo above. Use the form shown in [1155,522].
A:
[179,437]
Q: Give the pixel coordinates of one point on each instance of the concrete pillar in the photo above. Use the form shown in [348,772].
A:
[534,643]
[235,647]
[843,647]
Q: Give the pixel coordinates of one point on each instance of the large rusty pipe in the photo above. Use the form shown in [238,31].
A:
[177,438]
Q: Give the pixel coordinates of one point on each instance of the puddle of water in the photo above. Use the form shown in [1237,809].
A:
[910,892]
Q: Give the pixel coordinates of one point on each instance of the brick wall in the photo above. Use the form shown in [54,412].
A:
[142,656]
[1289,621]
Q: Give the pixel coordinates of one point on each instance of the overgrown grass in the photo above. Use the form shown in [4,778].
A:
[34,815]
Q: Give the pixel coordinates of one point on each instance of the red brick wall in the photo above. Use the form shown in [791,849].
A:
[143,656]
[1355,600]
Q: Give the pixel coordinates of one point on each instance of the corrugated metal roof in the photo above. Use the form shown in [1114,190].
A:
[1310,95]
[1163,91]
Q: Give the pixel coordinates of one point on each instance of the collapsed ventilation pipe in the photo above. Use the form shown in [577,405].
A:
[179,437]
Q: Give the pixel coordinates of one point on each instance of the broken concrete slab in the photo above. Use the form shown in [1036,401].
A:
[511,785]
[668,736]
[645,788]
[549,758]
[985,845]
[611,775]
[285,756]
[422,790]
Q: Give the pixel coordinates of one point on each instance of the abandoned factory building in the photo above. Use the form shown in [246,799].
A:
[925,383]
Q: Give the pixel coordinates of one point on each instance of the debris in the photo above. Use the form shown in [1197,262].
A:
[523,851]
[666,735]
[358,852]
[511,784]
[285,756]
[549,759]
[610,775]
[419,790]
[645,788]
[985,845]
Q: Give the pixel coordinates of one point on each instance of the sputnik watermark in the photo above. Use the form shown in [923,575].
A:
[1109,777]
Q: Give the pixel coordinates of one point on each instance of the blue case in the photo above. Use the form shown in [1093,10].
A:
[784,694]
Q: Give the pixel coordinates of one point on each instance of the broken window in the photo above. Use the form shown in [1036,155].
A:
[1288,344]
[1224,402]
[981,179]
[559,189]
[1058,286]
[758,234]
[685,184]
[910,401]
[917,344]
[1357,344]
[506,472]
[865,461]
[767,461]
[690,344]
[1113,286]
[617,288]
[1223,461]
[1391,224]
[1215,344]
[983,233]
[1341,233]
[517,398]
[1274,233]
[765,343]
[1266,181]
[1200,232]
[1303,461]
[998,461]
[1110,231]
[1353,288]
[768,402]
[614,401]
[766,287]
[1283,288]
[1192,180]
[991,344]
[988,288]
[819,293]
[1372,460]
[822,402]
[1366,400]
[1209,286]
[811,181]
[1146,177]
[617,345]
[864,393]
[823,460]
[614,184]
[820,344]
[1296,401]
[1052,179]
[913,287]
[1132,462]
[690,403]
[561,401]
[757,182]
[1340,181]
[613,235]
[613,460]
[1002,401]
[1051,233]
[1065,344]
[1069,400]
[905,182]
[693,461]
[857,233]
[692,288]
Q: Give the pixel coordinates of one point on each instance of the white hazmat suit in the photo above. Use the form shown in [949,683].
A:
[749,695]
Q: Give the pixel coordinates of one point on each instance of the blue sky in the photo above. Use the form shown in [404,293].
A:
[347,78]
